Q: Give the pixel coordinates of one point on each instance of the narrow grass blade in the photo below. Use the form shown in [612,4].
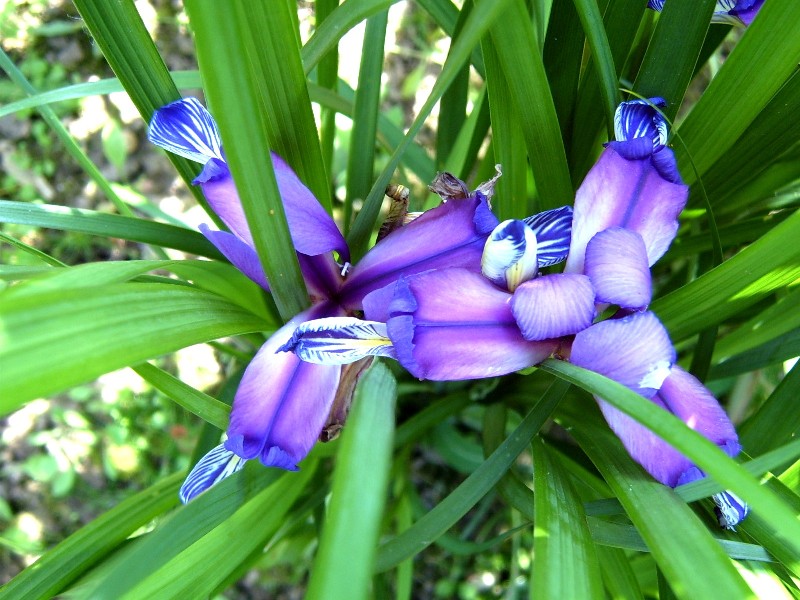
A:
[87,333]
[769,264]
[361,159]
[61,132]
[669,63]
[566,563]
[59,567]
[434,523]
[592,23]
[327,78]
[508,141]
[515,41]
[562,56]
[204,406]
[101,224]
[480,18]
[221,35]
[343,566]
[777,420]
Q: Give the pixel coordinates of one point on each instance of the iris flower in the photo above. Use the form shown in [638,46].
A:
[732,12]
[283,404]
[457,323]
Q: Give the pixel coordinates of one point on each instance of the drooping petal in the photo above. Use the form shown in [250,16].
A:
[635,351]
[339,341]
[509,255]
[657,5]
[219,189]
[686,398]
[454,324]
[553,306]
[553,229]
[313,230]
[187,129]
[630,194]
[450,235]
[639,119]
[616,262]
[282,402]
[664,162]
[241,255]
[215,466]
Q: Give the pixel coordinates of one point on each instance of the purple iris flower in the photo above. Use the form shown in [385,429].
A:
[457,323]
[283,403]
[732,12]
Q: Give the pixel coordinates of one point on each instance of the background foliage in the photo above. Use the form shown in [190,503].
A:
[497,488]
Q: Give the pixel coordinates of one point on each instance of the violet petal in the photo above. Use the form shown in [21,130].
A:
[630,194]
[241,255]
[616,262]
[553,306]
[282,402]
[454,324]
[635,351]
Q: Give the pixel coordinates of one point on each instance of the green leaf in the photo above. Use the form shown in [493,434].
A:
[771,263]
[761,62]
[248,118]
[59,567]
[113,226]
[88,332]
[566,564]
[515,41]
[361,160]
[669,63]
[343,566]
[204,406]
[445,514]
[777,420]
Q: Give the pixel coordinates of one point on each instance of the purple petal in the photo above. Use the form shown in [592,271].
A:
[313,230]
[322,275]
[657,5]
[685,397]
[616,262]
[553,229]
[241,256]
[376,303]
[553,306]
[635,351]
[454,324]
[220,191]
[630,194]
[282,402]
[633,149]
[187,129]
[215,466]
[450,235]
[666,165]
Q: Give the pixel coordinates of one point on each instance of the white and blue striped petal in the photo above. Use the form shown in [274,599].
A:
[339,341]
[553,229]
[731,510]
[186,128]
[215,466]
[509,255]
[639,119]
